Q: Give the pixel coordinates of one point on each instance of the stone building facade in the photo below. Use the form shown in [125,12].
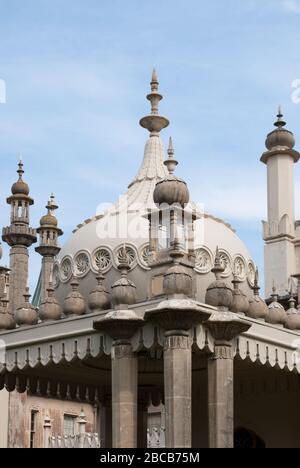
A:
[151,314]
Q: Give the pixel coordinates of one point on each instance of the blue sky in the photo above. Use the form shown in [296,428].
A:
[77,73]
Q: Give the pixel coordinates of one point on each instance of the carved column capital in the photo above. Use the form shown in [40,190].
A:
[177,339]
[121,349]
[225,326]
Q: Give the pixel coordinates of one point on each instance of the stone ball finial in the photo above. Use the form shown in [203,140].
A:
[7,320]
[258,309]
[292,315]
[26,315]
[171,190]
[281,138]
[124,290]
[20,187]
[99,297]
[240,303]
[218,294]
[50,308]
[74,303]
[177,281]
[276,312]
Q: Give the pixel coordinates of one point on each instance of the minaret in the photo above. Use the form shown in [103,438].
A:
[19,236]
[279,230]
[48,244]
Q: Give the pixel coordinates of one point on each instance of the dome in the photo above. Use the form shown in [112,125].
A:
[171,190]
[281,138]
[49,220]
[99,240]
[20,188]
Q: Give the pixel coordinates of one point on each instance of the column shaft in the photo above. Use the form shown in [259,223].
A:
[47,265]
[19,276]
[124,396]
[221,398]
[178,390]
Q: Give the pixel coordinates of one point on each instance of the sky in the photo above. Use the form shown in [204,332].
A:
[76,75]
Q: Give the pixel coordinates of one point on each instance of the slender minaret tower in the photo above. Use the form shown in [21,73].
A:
[19,236]
[280,229]
[48,244]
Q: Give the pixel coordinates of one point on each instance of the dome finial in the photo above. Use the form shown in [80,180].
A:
[171,163]
[256,287]
[280,122]
[154,81]
[218,267]
[154,122]
[51,205]
[20,170]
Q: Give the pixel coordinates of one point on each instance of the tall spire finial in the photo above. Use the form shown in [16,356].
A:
[218,268]
[256,287]
[154,81]
[154,122]
[171,163]
[51,205]
[20,170]
[280,121]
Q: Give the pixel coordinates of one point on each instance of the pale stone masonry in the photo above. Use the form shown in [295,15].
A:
[149,318]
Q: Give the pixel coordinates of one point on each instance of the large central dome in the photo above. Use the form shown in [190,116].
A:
[99,241]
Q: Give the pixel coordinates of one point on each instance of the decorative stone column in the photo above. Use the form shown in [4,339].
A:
[177,315]
[19,236]
[124,395]
[48,244]
[224,326]
[121,324]
[178,389]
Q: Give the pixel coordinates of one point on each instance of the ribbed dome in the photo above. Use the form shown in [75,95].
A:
[98,240]
[171,190]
